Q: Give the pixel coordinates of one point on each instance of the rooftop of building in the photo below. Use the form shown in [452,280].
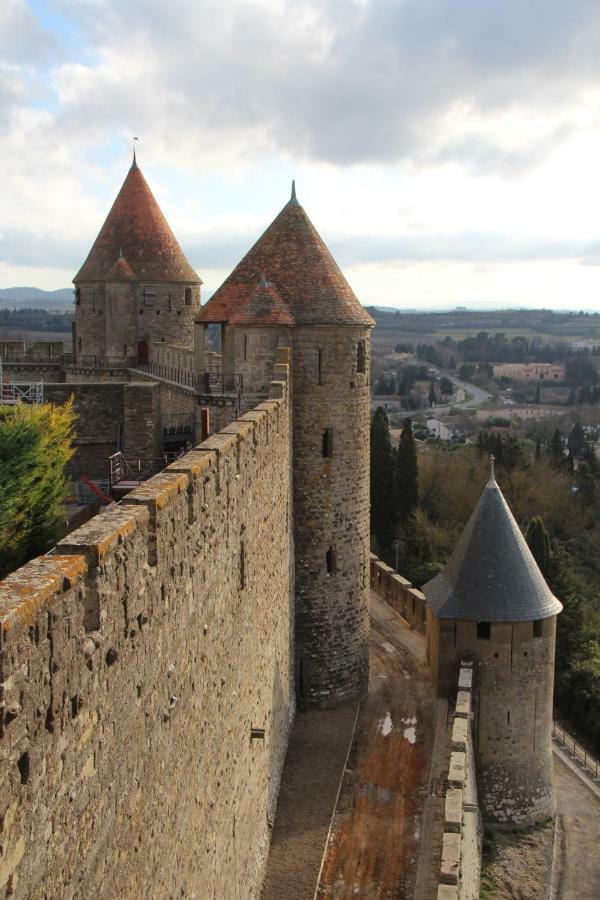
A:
[136,241]
[306,286]
[492,575]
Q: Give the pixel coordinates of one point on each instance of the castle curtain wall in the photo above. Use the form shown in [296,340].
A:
[147,679]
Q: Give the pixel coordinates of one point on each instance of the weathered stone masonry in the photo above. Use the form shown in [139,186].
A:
[140,663]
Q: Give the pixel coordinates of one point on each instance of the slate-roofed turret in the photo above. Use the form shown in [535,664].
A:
[297,262]
[492,575]
[136,228]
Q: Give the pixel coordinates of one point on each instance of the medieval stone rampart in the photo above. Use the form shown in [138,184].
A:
[110,416]
[146,678]
[399,593]
[460,862]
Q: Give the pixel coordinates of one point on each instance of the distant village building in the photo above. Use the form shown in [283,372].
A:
[529,371]
[441,431]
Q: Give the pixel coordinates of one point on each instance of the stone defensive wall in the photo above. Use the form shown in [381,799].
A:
[460,862]
[407,601]
[146,682]
[110,415]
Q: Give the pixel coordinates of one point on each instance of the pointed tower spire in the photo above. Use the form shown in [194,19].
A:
[134,163]
[492,475]
[491,576]
[293,201]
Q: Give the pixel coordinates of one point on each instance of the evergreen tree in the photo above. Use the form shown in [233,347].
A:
[432,393]
[538,542]
[406,486]
[576,440]
[557,449]
[537,395]
[382,481]
[538,448]
[499,450]
[35,446]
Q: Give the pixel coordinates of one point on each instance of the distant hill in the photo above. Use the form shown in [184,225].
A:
[35,297]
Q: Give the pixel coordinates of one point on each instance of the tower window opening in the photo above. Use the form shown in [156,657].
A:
[242,565]
[149,296]
[484,631]
[79,344]
[328,443]
[538,627]
[508,717]
[361,357]
[188,296]
[320,366]
[169,300]
[245,346]
[330,561]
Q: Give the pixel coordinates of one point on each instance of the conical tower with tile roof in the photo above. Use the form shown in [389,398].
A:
[136,288]
[491,604]
[289,291]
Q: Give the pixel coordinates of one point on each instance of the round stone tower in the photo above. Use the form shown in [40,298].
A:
[288,289]
[136,288]
[492,605]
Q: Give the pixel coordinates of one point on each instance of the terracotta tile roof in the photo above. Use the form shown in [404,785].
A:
[264,307]
[295,259]
[120,271]
[137,225]
[492,575]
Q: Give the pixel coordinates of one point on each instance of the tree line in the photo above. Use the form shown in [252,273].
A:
[421,505]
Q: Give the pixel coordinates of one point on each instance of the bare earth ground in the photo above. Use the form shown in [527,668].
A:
[579,831]
[372,851]
[374,839]
[314,765]
[517,864]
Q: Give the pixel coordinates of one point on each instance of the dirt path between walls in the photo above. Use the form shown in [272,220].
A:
[373,847]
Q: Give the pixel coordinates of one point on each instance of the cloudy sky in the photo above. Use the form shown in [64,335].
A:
[448,151]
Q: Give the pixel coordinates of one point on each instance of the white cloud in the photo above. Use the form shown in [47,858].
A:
[428,137]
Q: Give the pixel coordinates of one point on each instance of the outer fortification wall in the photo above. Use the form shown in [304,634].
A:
[146,682]
[110,415]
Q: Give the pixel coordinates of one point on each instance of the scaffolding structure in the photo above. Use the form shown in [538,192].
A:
[12,392]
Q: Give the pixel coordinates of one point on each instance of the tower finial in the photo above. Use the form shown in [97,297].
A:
[134,163]
[293,197]
[492,459]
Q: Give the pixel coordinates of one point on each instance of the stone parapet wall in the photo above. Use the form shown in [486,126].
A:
[407,601]
[110,414]
[460,862]
[173,357]
[146,682]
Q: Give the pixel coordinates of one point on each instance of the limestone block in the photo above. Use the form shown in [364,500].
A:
[450,865]
[460,733]
[463,704]
[457,770]
[465,679]
[453,810]
[447,892]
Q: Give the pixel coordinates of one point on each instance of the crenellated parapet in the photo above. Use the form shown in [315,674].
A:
[138,659]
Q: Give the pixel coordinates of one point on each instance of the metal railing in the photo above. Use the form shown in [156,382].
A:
[214,381]
[173,424]
[97,362]
[579,753]
[168,373]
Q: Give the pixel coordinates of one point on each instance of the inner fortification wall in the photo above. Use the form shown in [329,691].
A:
[146,678]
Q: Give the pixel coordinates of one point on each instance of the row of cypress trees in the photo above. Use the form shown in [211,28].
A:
[394,483]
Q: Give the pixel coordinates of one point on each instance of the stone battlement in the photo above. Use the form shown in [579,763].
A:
[137,659]
[407,601]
